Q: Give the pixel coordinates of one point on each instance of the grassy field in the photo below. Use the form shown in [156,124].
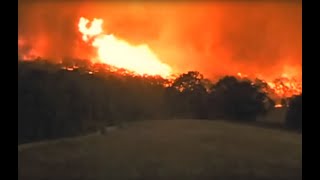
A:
[169,150]
[275,116]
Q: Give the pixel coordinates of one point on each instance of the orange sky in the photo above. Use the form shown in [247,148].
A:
[214,38]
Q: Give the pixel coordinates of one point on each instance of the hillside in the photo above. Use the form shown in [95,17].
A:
[169,149]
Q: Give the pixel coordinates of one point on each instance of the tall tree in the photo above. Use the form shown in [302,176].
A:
[231,98]
[188,95]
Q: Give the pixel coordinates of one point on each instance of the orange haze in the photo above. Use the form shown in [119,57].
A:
[259,39]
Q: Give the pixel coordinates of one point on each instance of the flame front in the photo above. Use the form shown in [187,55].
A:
[120,56]
[286,87]
[283,87]
[119,53]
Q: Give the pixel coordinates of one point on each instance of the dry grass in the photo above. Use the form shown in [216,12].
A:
[169,149]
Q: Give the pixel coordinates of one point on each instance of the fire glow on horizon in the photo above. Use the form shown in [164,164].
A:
[264,42]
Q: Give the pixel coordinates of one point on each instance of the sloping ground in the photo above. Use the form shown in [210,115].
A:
[276,116]
[169,149]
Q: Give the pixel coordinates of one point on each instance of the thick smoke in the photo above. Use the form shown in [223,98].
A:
[262,38]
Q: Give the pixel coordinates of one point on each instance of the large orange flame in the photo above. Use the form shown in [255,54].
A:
[119,53]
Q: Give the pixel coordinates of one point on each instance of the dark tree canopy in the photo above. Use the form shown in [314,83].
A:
[54,101]
[294,113]
[191,81]
[237,99]
[187,95]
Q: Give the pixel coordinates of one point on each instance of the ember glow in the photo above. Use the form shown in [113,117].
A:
[278,106]
[242,75]
[72,68]
[120,53]
[286,87]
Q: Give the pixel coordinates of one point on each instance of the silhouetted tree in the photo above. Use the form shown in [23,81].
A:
[188,95]
[237,99]
[294,113]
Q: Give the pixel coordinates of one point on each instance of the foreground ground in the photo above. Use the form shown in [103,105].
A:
[169,149]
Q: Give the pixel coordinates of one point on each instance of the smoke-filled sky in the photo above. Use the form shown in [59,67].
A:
[259,38]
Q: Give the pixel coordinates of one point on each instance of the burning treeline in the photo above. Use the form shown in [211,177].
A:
[144,40]
[58,100]
[139,59]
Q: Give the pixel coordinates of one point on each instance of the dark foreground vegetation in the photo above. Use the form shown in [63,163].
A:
[294,114]
[55,102]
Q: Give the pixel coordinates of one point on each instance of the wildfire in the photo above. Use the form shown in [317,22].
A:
[113,54]
[120,53]
[286,87]
[28,53]
[282,87]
